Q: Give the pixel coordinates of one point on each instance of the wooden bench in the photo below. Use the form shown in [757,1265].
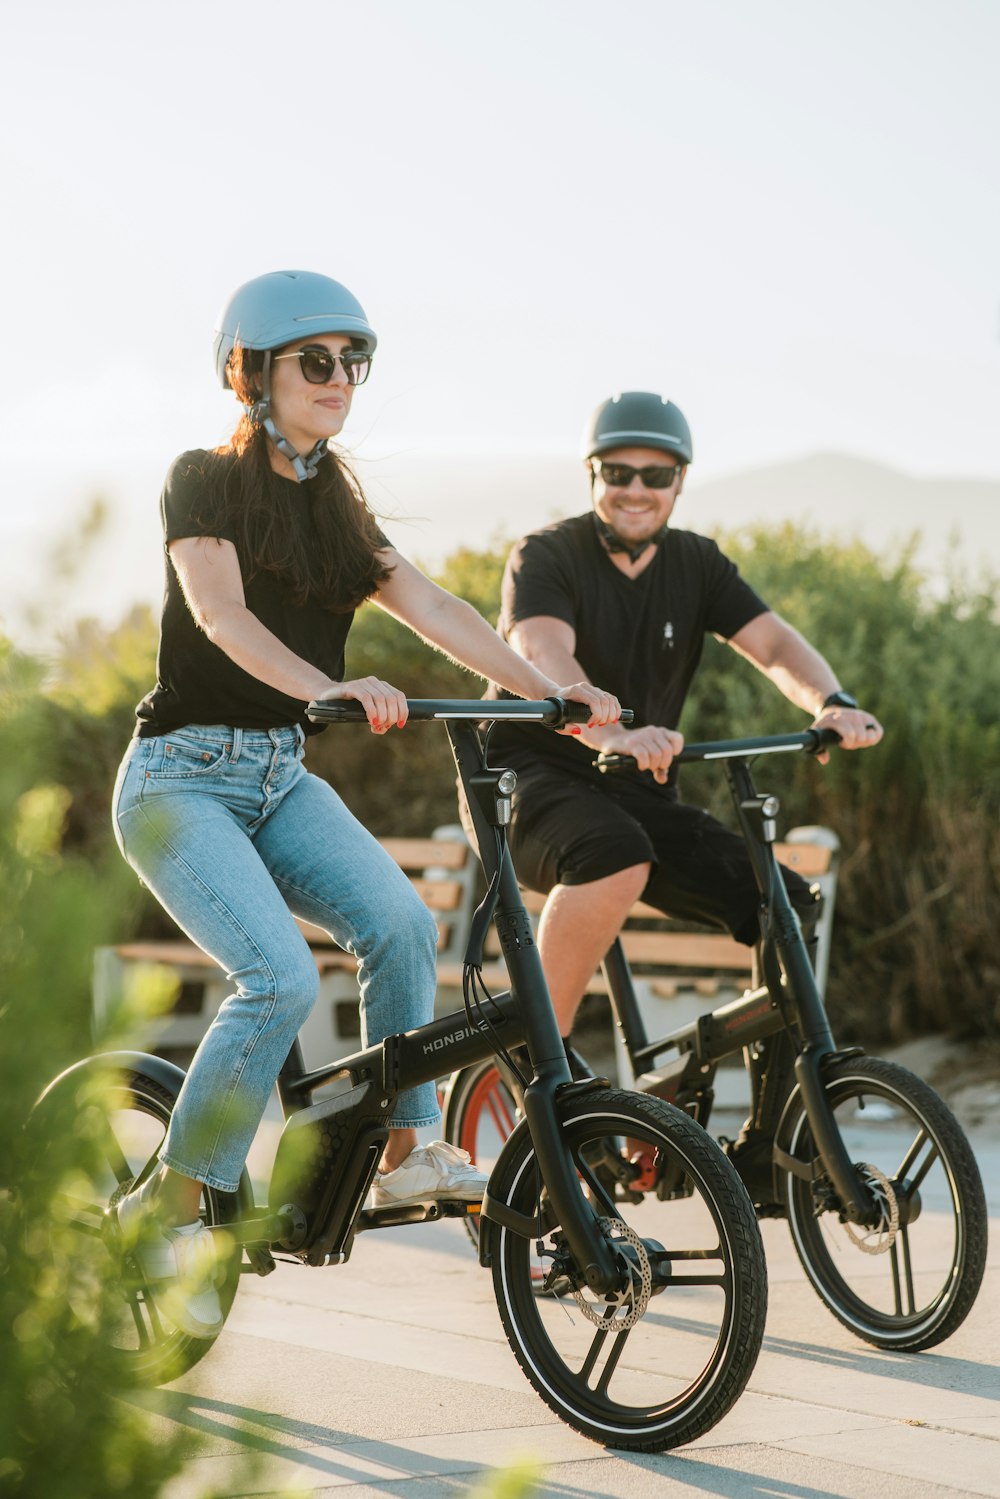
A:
[690,969]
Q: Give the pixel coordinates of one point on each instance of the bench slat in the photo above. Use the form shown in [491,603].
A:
[687,950]
[427,853]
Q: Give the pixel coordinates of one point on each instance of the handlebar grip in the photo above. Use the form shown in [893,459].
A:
[345,710]
[612,764]
[579,713]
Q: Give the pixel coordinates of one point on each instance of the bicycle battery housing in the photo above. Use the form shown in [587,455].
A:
[325,1164]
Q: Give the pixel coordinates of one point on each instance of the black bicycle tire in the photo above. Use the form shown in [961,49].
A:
[950,1308]
[167,1359]
[725,1376]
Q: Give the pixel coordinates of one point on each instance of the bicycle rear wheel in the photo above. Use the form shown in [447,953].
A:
[698,1282]
[910,1282]
[480,1112]
[121,1117]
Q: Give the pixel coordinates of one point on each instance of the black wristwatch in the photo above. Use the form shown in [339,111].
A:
[840,699]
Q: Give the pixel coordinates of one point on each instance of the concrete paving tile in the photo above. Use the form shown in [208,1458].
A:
[968,1464]
[334,1466]
[377,1338]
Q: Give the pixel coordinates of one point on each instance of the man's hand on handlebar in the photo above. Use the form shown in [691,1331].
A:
[651,747]
[856,728]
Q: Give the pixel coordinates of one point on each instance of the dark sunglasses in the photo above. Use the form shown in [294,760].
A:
[655,476]
[319,366]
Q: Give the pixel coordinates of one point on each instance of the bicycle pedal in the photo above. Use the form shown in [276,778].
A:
[395,1215]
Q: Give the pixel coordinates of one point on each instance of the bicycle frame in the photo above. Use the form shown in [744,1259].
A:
[525,1013]
[774,1005]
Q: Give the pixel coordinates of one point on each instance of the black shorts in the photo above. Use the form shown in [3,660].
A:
[570,831]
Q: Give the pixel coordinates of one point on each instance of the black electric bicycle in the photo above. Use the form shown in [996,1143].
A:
[872,1171]
[661,1310]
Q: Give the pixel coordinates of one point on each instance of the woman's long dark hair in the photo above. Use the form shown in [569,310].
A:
[336,564]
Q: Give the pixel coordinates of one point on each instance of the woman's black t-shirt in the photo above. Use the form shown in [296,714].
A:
[640,638]
[196,682]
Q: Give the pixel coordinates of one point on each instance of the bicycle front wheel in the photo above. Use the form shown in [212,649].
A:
[910,1281]
[661,1364]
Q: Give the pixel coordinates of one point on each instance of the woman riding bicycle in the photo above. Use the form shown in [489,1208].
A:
[270,549]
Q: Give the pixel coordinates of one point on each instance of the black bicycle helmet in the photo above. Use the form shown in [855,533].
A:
[637,419]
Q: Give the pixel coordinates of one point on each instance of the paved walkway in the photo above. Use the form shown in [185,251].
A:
[391,1376]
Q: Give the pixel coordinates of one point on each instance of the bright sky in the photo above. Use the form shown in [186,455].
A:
[785,215]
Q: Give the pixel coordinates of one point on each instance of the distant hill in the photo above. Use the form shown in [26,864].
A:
[845,496]
[433,503]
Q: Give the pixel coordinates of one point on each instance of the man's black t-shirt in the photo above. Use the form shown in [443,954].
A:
[196,682]
[640,638]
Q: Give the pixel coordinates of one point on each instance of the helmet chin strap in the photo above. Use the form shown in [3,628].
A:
[260,414]
[613,542]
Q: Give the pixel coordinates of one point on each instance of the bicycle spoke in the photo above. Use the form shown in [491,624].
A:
[588,1365]
[601,1388]
[115,1156]
[84,1217]
[933,1154]
[902,1248]
[142,1332]
[496,1105]
[597,1189]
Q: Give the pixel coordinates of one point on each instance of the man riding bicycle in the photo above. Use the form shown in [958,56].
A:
[617,596]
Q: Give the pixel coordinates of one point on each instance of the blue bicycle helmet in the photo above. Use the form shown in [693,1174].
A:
[283,306]
[637,419]
[280,308]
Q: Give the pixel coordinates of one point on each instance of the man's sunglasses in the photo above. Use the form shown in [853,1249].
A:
[654,476]
[319,366]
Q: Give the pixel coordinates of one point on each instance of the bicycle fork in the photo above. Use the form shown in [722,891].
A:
[489,792]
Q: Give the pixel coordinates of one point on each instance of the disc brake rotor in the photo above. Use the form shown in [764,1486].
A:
[881,1239]
[621,1310]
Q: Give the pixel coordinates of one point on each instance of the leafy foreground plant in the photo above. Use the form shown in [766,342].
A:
[63,1434]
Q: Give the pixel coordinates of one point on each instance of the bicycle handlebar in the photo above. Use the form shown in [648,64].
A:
[553,712]
[810,740]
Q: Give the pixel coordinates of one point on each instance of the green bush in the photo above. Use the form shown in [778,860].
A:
[919,895]
[63,1432]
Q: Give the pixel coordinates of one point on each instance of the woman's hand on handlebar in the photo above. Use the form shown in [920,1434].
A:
[604,706]
[651,747]
[385,706]
[856,728]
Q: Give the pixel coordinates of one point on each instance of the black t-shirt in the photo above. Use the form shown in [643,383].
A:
[196,682]
[641,638]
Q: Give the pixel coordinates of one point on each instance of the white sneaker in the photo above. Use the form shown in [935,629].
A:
[184,1259]
[431,1173]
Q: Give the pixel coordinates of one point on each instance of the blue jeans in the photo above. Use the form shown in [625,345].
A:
[234,838]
